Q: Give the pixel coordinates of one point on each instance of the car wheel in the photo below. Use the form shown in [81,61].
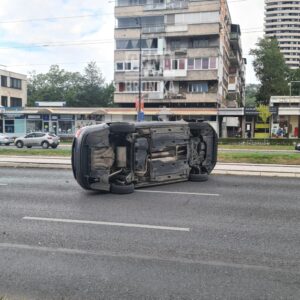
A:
[45,145]
[19,144]
[122,128]
[121,189]
[198,177]
[54,146]
[29,147]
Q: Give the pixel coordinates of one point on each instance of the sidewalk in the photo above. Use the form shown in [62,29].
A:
[51,162]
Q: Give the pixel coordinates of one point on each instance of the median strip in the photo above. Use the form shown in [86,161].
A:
[70,221]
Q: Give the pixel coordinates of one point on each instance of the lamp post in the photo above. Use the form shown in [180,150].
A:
[139,111]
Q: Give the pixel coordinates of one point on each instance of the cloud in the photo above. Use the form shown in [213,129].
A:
[100,27]
[78,32]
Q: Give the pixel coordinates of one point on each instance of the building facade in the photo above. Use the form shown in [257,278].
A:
[190,53]
[287,122]
[13,89]
[282,21]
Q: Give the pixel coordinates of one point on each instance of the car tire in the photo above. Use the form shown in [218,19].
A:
[45,145]
[54,146]
[19,144]
[121,189]
[29,147]
[198,177]
[122,128]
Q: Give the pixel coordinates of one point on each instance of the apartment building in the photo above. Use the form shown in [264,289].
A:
[13,89]
[282,20]
[191,55]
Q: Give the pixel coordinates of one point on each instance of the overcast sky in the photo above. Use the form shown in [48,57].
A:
[72,42]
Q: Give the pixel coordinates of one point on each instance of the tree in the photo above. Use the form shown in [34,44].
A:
[251,91]
[270,69]
[56,85]
[264,113]
[88,89]
[94,91]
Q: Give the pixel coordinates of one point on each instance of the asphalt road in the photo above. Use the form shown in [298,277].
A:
[229,238]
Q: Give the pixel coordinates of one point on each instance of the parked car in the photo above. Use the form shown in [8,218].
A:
[119,157]
[6,140]
[45,140]
[297,147]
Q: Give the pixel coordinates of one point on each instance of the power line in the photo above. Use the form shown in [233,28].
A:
[83,16]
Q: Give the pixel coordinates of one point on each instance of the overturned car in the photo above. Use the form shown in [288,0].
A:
[119,157]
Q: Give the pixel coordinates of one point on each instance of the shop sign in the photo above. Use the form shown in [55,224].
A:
[273,110]
[66,117]
[45,117]
[34,117]
[54,118]
[14,116]
[250,111]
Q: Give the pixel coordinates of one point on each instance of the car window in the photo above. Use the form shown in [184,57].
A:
[39,134]
[29,135]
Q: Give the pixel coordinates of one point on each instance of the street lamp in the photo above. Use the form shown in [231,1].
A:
[139,22]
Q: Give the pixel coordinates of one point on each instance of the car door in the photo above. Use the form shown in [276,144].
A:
[37,140]
[28,139]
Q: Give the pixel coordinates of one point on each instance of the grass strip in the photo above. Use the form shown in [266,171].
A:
[258,147]
[260,158]
[36,152]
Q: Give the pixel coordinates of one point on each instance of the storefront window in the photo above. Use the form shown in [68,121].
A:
[65,127]
[34,125]
[9,126]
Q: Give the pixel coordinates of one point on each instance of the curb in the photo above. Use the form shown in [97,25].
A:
[218,171]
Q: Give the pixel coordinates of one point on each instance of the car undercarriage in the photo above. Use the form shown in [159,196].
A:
[119,157]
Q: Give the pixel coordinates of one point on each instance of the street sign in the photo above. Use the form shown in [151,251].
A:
[141,116]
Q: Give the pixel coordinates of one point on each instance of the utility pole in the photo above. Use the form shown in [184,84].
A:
[140,74]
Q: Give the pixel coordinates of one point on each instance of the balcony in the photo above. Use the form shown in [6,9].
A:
[191,97]
[171,5]
[154,29]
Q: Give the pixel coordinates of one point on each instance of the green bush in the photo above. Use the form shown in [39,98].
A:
[239,141]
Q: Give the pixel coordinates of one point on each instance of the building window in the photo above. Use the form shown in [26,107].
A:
[202,63]
[34,125]
[4,81]
[119,66]
[15,102]
[198,87]
[65,127]
[190,64]
[205,63]
[4,101]
[133,86]
[15,83]
[9,126]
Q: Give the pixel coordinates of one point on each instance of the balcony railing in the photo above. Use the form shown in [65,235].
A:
[170,5]
[155,6]
[153,29]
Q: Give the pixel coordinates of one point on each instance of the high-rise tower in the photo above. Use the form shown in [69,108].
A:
[282,20]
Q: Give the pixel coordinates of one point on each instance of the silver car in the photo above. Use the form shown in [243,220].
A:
[45,140]
[5,140]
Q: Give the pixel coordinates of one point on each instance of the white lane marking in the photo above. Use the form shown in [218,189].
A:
[182,260]
[177,193]
[107,224]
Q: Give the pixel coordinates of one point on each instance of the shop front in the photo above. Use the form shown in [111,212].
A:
[287,123]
